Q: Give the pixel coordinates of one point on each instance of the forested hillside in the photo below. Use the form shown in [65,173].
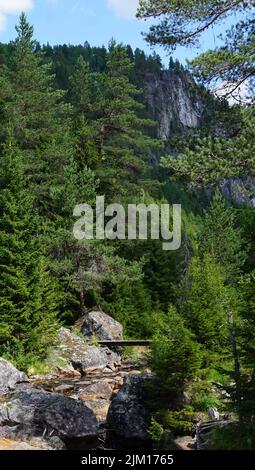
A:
[77,122]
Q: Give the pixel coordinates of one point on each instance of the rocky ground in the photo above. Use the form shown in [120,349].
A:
[92,398]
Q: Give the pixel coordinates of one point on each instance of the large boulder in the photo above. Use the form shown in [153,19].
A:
[102,326]
[74,351]
[10,377]
[128,418]
[36,412]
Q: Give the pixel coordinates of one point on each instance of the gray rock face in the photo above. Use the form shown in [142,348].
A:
[239,191]
[10,377]
[96,359]
[173,101]
[128,417]
[102,326]
[36,412]
[74,350]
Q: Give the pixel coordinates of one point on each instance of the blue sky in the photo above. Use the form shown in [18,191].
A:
[77,21]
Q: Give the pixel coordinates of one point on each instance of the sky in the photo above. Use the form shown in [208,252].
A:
[95,21]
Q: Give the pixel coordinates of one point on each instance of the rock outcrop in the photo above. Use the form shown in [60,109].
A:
[10,377]
[239,191]
[70,405]
[100,325]
[173,101]
[74,352]
[128,417]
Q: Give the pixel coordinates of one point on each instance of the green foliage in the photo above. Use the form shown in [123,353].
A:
[221,238]
[204,303]
[109,101]
[203,397]
[156,432]
[209,159]
[131,305]
[233,437]
[38,117]
[59,149]
[179,422]
[175,354]
[94,341]
[28,300]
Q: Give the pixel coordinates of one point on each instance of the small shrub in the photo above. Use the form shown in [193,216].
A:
[180,422]
[156,432]
[94,341]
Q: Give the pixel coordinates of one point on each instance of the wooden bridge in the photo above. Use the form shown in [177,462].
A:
[124,343]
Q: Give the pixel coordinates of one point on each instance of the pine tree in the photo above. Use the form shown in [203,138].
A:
[112,109]
[204,161]
[185,25]
[130,304]
[82,267]
[162,272]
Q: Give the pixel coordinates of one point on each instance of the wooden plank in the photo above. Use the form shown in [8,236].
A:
[125,343]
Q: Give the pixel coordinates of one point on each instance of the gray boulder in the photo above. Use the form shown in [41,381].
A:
[128,417]
[73,350]
[104,327]
[36,412]
[10,377]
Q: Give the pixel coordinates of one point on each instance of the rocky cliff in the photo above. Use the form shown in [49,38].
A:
[174,102]
[178,106]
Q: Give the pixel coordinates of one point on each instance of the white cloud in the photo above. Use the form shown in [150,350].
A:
[124,8]
[12,7]
[232,93]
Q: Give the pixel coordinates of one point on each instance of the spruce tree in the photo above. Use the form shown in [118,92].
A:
[221,237]
[204,302]
[176,356]
[38,116]
[82,99]
[28,300]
